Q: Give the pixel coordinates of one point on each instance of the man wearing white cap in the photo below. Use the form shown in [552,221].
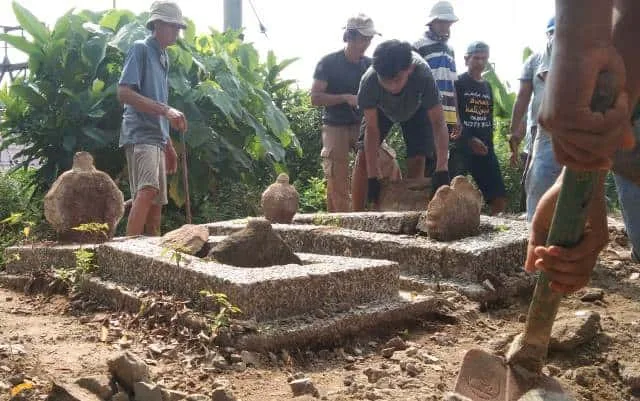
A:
[335,86]
[144,91]
[433,47]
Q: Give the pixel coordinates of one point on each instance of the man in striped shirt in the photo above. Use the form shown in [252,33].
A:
[439,55]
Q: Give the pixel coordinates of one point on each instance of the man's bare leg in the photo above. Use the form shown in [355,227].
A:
[359,183]
[497,205]
[140,210]
[152,226]
[415,166]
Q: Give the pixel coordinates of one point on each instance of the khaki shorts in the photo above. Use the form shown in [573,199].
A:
[146,165]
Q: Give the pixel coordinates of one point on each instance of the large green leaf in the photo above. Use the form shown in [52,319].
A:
[116,19]
[180,58]
[189,34]
[276,120]
[236,154]
[21,44]
[31,24]
[29,93]
[221,99]
[127,35]
[93,52]
[179,83]
[248,56]
[270,146]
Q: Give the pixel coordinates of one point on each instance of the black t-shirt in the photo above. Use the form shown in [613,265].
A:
[341,76]
[475,105]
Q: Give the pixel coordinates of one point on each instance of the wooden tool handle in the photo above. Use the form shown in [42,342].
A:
[566,230]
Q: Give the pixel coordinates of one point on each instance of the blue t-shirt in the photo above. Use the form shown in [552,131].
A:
[145,71]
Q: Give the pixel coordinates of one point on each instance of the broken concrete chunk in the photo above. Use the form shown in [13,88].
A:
[573,330]
[374,374]
[98,385]
[630,373]
[592,295]
[128,369]
[396,343]
[70,392]
[173,395]
[223,394]
[189,238]
[257,245]
[303,386]
[147,392]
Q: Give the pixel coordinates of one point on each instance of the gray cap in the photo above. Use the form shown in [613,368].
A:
[166,11]
[477,47]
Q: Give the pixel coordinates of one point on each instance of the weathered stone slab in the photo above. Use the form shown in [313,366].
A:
[299,331]
[406,194]
[261,293]
[34,258]
[499,248]
[375,222]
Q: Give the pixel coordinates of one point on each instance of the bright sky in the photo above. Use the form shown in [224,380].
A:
[310,29]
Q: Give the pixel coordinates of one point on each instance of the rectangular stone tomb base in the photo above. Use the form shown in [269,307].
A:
[261,293]
[321,327]
[499,248]
[375,222]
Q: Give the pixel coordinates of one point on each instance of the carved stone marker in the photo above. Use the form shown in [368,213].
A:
[83,195]
[280,201]
[454,212]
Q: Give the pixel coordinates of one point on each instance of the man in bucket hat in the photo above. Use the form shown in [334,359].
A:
[335,86]
[144,91]
[435,50]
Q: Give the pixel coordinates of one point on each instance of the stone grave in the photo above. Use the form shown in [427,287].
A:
[359,271]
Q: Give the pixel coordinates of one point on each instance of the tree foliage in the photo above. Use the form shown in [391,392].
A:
[68,101]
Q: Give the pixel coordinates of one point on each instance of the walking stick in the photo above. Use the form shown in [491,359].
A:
[185,179]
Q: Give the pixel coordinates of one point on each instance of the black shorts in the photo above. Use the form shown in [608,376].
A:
[485,171]
[416,131]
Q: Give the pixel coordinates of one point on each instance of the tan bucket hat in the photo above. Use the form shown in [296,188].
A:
[166,11]
[363,24]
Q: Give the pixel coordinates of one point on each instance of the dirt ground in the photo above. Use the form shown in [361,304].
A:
[62,339]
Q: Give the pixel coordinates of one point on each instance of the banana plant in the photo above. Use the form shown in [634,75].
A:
[68,100]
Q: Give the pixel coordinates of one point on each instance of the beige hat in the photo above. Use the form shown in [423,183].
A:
[166,11]
[362,24]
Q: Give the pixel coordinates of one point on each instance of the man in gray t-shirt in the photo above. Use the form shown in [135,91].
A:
[399,88]
[144,90]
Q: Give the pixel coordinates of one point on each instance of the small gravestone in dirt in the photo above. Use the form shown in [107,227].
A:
[280,201]
[189,238]
[257,245]
[83,195]
[453,213]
